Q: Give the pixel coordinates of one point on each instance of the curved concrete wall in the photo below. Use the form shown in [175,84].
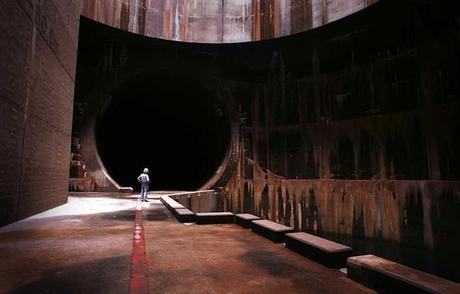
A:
[348,129]
[219,21]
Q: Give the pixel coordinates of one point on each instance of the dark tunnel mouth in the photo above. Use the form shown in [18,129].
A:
[167,122]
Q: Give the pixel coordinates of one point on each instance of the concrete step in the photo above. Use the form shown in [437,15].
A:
[271,230]
[170,203]
[323,251]
[245,220]
[386,276]
[214,217]
[184,215]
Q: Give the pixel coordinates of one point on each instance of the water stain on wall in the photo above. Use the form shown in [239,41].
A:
[218,21]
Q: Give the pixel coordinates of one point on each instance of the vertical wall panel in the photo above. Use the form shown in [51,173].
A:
[38,44]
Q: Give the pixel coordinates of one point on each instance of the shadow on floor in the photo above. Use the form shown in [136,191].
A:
[108,275]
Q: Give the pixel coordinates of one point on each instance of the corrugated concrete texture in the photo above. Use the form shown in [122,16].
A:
[38,47]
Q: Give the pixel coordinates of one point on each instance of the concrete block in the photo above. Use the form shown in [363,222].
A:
[271,230]
[214,217]
[386,276]
[323,251]
[245,219]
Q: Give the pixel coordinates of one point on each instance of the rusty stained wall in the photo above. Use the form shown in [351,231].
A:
[357,142]
[414,212]
[391,176]
[368,177]
[417,144]
[223,21]
[348,129]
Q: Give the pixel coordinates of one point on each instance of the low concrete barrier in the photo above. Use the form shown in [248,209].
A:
[197,201]
[245,220]
[323,251]
[386,276]
[271,230]
[170,203]
[184,215]
[181,213]
[214,217]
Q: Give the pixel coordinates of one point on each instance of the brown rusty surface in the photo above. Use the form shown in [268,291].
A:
[218,21]
[229,259]
[334,149]
[350,129]
[391,210]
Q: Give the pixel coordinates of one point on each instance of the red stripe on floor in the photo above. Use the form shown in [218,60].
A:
[139,282]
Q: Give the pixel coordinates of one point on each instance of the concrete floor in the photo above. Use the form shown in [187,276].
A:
[85,246]
[81,247]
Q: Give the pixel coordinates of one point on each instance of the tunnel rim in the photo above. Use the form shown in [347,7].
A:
[216,172]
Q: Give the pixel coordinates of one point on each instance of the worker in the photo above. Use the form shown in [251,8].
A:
[144,179]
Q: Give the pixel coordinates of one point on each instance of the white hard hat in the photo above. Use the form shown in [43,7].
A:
[146,170]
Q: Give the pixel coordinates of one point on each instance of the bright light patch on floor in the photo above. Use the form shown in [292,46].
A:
[87,205]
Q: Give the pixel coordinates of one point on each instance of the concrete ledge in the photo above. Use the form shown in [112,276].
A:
[125,190]
[325,252]
[245,220]
[271,230]
[184,215]
[214,218]
[170,203]
[197,201]
[386,276]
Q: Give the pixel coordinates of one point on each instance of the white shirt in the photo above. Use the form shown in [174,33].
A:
[144,178]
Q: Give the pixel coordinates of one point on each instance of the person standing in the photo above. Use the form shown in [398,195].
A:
[144,179]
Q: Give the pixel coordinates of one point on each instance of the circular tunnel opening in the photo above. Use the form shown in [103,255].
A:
[168,123]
